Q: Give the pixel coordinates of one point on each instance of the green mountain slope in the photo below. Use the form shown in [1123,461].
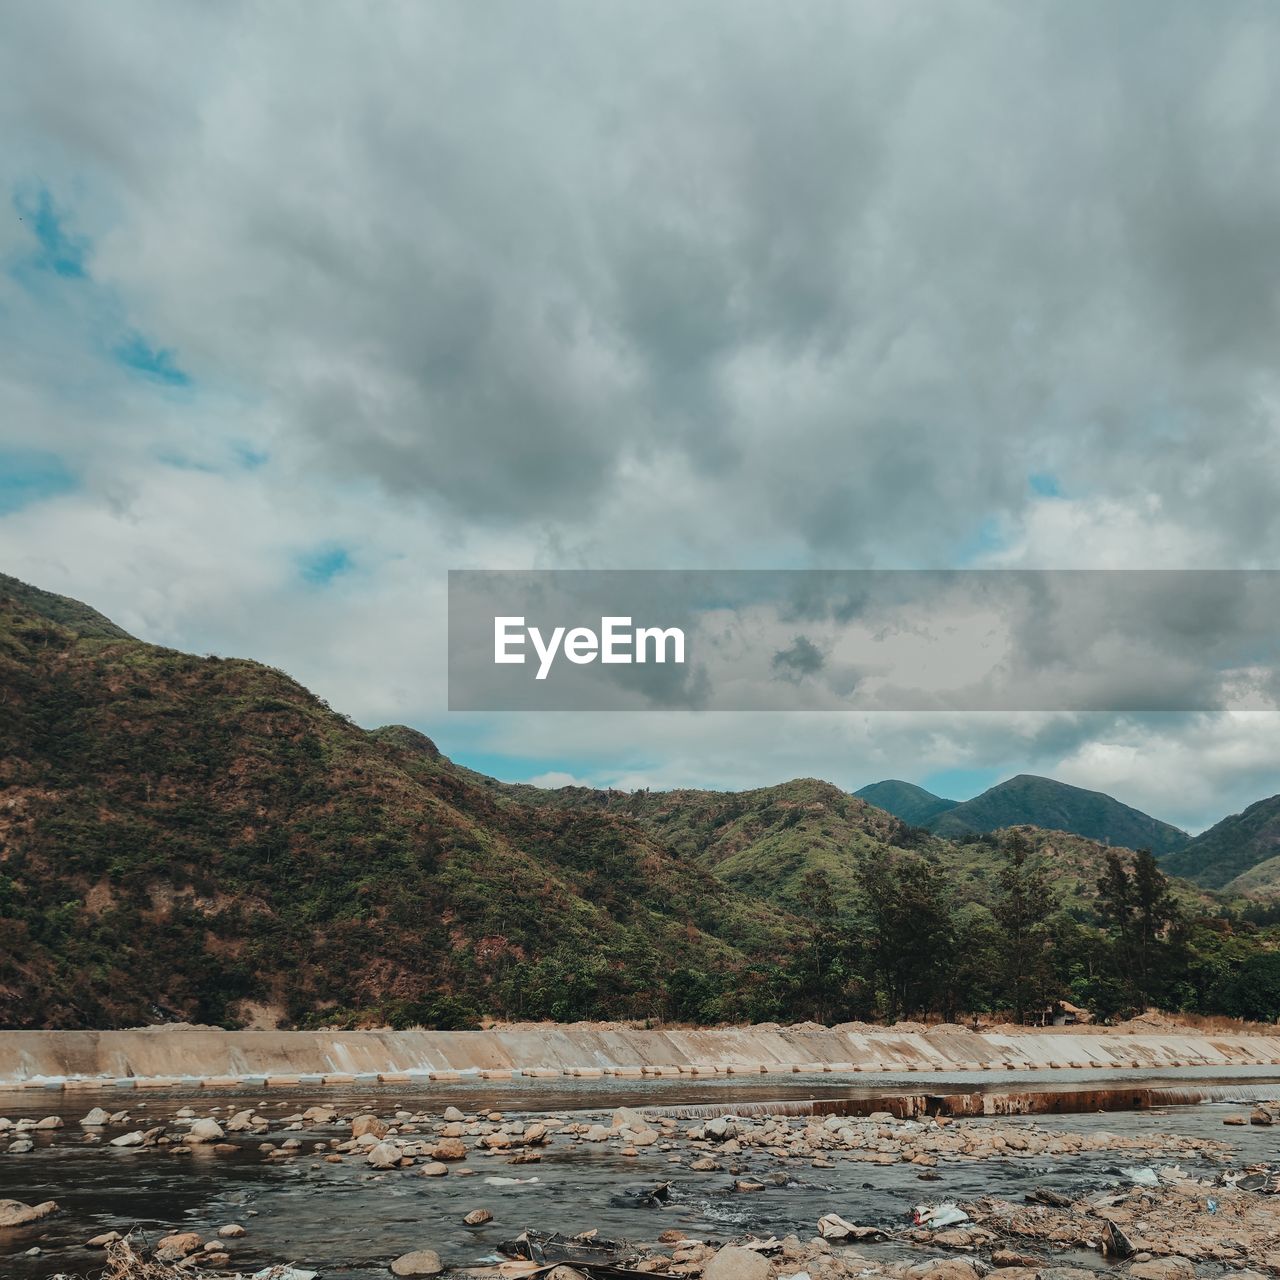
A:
[905,800]
[764,841]
[1055,806]
[186,837]
[179,834]
[1072,865]
[1229,851]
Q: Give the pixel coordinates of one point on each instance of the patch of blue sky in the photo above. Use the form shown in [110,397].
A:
[1044,484]
[987,538]
[248,457]
[509,768]
[28,476]
[57,250]
[961,783]
[53,270]
[182,462]
[156,363]
[321,565]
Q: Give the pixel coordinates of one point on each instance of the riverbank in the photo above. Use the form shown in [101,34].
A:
[230,1187]
[166,1056]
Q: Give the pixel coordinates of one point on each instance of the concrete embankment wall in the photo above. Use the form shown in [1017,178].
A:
[223,1057]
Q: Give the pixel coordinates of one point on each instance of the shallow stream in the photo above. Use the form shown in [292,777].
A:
[349,1220]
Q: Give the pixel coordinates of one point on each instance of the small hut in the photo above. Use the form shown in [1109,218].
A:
[1062,1013]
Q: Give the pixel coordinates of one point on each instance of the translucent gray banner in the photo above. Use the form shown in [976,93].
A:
[864,640]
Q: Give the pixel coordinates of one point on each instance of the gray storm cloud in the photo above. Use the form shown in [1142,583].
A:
[860,270]
[660,285]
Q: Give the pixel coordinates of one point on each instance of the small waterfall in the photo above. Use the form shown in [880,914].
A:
[986,1102]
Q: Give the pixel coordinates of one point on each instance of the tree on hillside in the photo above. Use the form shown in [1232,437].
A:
[1154,910]
[1021,911]
[910,933]
[1115,896]
[1254,991]
[1138,906]
[825,976]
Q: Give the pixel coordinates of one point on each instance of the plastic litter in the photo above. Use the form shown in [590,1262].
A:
[942,1215]
[832,1226]
[599,1259]
[641,1195]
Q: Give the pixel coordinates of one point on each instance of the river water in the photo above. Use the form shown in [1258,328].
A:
[348,1220]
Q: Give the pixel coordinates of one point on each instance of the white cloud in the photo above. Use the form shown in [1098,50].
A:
[654,288]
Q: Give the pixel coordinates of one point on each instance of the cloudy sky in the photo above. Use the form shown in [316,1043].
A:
[303,305]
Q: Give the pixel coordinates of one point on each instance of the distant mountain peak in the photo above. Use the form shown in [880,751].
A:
[912,804]
[1233,849]
[1029,799]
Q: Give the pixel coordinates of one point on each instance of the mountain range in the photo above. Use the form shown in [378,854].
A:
[203,838]
[1029,800]
[1240,855]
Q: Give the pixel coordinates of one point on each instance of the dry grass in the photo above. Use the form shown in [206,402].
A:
[1215,1025]
[125,1263]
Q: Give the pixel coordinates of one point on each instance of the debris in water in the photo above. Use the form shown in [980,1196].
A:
[641,1194]
[832,1226]
[1115,1244]
[1043,1195]
[936,1216]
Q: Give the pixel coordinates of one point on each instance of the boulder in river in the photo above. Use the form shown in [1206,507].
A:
[386,1155]
[173,1248]
[422,1262]
[205,1131]
[96,1119]
[720,1127]
[735,1263]
[368,1124]
[14,1213]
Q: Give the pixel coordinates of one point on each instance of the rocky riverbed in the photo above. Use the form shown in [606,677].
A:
[479,1192]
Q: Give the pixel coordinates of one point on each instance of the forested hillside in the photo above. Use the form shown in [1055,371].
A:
[203,839]
[178,834]
[1235,851]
